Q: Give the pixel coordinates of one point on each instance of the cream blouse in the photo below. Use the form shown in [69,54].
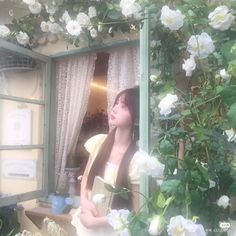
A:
[93,145]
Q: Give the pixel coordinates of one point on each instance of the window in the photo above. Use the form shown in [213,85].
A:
[24,123]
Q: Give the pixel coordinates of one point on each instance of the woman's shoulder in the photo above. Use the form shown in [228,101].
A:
[94,142]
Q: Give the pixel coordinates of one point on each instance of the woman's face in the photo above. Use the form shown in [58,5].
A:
[120,115]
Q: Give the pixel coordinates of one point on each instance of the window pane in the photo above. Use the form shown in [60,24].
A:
[20,123]
[20,171]
[20,76]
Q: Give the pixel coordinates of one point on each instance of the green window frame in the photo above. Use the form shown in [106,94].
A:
[46,103]
[50,106]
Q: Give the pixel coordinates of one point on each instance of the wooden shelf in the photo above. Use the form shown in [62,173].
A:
[37,215]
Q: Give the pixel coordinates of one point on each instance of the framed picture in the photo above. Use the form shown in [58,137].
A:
[17,127]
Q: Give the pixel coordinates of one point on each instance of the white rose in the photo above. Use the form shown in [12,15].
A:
[22,38]
[118,219]
[130,8]
[92,12]
[149,165]
[180,226]
[28,2]
[224,75]
[98,198]
[156,226]
[54,28]
[223,201]
[65,17]
[200,45]
[83,19]
[45,26]
[172,19]
[189,66]
[93,33]
[4,31]
[73,27]
[35,8]
[221,18]
[231,135]
[167,103]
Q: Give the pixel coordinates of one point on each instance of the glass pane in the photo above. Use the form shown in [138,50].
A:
[20,76]
[20,171]
[20,123]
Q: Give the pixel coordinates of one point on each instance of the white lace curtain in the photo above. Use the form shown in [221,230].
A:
[73,77]
[123,72]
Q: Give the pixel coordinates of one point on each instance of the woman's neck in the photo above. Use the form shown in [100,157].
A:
[123,137]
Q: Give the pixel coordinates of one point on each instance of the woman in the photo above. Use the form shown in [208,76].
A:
[112,157]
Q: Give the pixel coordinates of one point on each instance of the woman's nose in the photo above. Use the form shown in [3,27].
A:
[114,108]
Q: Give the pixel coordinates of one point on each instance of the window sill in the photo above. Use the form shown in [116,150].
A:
[37,215]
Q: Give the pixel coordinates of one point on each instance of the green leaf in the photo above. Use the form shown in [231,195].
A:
[166,147]
[171,163]
[114,15]
[228,94]
[169,200]
[232,189]
[161,201]
[203,171]
[227,50]
[232,115]
[186,112]
[232,68]
[170,186]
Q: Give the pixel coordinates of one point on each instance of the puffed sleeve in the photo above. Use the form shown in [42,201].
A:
[93,144]
[134,170]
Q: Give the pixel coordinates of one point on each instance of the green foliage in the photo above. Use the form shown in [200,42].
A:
[9,224]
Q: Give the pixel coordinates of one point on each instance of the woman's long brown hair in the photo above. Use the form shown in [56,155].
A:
[98,167]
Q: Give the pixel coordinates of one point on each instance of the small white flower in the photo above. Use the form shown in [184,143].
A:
[11,12]
[98,198]
[179,226]
[154,77]
[221,18]
[52,19]
[83,19]
[28,2]
[100,27]
[51,8]
[93,33]
[65,17]
[118,219]
[224,75]
[110,30]
[212,183]
[92,12]
[45,26]
[200,45]
[231,135]
[4,31]
[35,8]
[73,27]
[223,201]
[54,28]
[22,38]
[189,66]
[167,103]
[130,8]
[172,19]
[156,225]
